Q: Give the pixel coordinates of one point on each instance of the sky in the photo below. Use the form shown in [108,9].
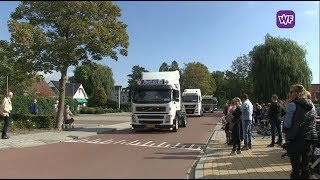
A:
[213,33]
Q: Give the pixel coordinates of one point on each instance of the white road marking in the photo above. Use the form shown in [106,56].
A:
[94,141]
[161,144]
[119,141]
[145,144]
[107,142]
[176,145]
[191,146]
[138,143]
[131,143]
[83,140]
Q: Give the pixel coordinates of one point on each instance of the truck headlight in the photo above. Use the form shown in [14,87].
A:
[133,118]
[168,117]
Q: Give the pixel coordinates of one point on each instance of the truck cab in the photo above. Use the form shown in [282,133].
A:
[207,103]
[156,102]
[191,102]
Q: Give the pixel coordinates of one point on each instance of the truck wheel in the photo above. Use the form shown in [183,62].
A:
[176,122]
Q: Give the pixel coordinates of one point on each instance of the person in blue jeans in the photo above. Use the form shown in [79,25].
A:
[247,111]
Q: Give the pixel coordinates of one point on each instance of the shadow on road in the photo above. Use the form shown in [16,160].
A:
[98,130]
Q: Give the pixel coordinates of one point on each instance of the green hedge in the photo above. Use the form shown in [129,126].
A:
[97,110]
[29,122]
[21,104]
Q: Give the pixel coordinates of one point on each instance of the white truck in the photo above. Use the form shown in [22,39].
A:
[191,101]
[207,103]
[156,102]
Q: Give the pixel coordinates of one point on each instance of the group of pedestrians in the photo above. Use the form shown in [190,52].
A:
[239,122]
[299,126]
[6,113]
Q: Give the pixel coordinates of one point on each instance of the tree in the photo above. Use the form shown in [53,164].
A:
[164,67]
[91,75]
[174,66]
[221,84]
[276,65]
[100,98]
[18,76]
[197,76]
[241,67]
[134,77]
[51,35]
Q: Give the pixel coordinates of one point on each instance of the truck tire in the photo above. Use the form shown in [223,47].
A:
[176,122]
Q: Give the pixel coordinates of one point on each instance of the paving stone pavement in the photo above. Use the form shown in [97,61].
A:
[261,162]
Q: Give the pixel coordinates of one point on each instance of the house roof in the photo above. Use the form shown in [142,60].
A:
[42,89]
[71,88]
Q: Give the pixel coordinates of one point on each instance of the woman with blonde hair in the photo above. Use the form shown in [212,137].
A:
[237,131]
[299,126]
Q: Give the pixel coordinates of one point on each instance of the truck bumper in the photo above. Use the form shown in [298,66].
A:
[151,126]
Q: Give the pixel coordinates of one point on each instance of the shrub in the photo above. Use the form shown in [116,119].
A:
[21,104]
[20,121]
[126,107]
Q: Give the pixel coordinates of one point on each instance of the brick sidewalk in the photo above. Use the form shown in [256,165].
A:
[261,162]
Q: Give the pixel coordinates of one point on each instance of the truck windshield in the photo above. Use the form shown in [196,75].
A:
[188,98]
[152,96]
[207,101]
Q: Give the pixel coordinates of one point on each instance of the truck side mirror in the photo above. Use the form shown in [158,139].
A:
[176,95]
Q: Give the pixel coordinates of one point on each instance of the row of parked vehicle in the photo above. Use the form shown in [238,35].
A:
[158,103]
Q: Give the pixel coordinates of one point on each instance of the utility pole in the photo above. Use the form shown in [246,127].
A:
[119,96]
[7,84]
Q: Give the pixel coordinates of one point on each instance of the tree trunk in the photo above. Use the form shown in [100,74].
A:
[61,105]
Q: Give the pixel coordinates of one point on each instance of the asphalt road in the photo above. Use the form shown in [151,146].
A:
[120,154]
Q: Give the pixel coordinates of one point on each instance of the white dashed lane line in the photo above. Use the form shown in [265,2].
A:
[193,147]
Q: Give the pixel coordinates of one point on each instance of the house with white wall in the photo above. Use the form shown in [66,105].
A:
[73,90]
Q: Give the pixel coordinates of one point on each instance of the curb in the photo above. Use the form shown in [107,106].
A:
[198,171]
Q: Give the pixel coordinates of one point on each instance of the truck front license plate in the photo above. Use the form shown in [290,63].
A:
[151,126]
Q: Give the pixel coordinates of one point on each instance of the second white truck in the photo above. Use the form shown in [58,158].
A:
[191,102]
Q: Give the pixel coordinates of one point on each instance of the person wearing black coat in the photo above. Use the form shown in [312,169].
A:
[237,130]
[300,130]
[274,114]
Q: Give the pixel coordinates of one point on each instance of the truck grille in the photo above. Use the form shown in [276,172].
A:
[189,106]
[151,122]
[191,111]
[151,109]
[150,117]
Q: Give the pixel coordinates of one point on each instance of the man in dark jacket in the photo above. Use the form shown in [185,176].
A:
[274,114]
[300,129]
